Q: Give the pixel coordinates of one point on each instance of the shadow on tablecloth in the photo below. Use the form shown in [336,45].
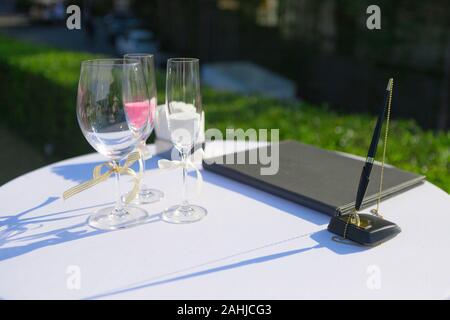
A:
[322,238]
[19,233]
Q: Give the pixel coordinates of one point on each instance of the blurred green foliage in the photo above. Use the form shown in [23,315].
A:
[38,88]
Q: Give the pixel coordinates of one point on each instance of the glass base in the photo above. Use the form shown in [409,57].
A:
[146,196]
[184,214]
[107,219]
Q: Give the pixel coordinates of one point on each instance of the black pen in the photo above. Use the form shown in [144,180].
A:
[365,174]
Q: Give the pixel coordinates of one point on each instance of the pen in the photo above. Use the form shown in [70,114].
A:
[365,174]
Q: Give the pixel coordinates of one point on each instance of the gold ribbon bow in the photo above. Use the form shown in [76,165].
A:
[98,177]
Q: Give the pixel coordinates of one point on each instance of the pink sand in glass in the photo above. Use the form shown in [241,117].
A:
[151,116]
[138,111]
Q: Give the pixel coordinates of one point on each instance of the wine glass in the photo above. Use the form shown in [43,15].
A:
[184,107]
[146,194]
[105,88]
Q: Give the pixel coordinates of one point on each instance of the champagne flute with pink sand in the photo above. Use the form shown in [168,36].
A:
[136,111]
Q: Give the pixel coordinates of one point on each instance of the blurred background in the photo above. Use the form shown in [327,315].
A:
[311,68]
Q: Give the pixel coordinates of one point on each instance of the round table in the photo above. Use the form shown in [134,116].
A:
[251,245]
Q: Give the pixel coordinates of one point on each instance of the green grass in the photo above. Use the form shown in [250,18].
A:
[38,91]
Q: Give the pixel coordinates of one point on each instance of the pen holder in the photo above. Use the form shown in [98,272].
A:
[367,230]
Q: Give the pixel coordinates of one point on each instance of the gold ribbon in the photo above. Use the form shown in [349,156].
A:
[98,177]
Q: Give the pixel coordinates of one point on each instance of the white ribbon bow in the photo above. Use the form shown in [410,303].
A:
[187,163]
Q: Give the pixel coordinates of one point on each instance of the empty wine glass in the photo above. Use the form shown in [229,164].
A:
[146,194]
[105,88]
[184,107]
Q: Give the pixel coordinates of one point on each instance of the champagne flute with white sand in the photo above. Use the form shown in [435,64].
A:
[184,107]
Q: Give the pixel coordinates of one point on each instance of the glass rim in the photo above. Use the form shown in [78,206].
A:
[126,55]
[110,62]
[183,60]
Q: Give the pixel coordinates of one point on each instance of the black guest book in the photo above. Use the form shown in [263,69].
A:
[323,180]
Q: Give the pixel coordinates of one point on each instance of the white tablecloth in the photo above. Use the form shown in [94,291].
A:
[251,245]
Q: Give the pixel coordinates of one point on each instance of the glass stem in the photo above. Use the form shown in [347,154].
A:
[142,166]
[184,156]
[118,209]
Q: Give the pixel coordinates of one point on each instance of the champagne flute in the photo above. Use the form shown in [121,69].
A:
[105,88]
[146,194]
[184,107]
